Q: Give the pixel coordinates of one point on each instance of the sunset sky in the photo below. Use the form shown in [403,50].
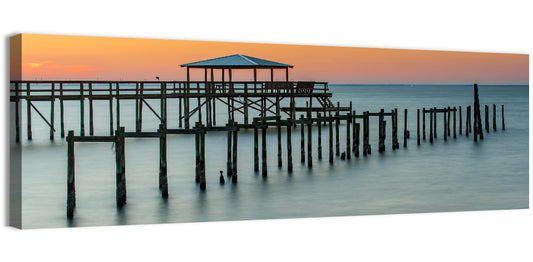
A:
[52,57]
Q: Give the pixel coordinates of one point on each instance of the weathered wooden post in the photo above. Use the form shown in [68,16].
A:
[467,119]
[477,115]
[52,101]
[17,113]
[431,125]
[348,143]
[494,117]
[256,148]
[91,113]
[264,148]
[28,110]
[71,185]
[395,144]
[356,139]
[366,145]
[229,166]
[141,92]
[454,122]
[424,124]
[405,132]
[319,123]
[418,126]
[487,126]
[197,152]
[82,110]
[448,121]
[353,130]
[235,137]
[278,119]
[110,108]
[289,145]
[330,139]
[337,122]
[309,141]
[163,181]
[202,157]
[302,140]
[435,122]
[381,137]
[118,104]
[62,111]
[444,131]
[120,167]
[503,120]
[460,121]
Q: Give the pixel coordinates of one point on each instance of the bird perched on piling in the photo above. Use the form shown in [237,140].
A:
[157,77]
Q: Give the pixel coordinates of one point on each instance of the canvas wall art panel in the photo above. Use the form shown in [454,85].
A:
[125,131]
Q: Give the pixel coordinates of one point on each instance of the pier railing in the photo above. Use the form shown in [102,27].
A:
[45,90]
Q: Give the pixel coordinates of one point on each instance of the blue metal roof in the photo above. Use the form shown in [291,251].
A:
[236,61]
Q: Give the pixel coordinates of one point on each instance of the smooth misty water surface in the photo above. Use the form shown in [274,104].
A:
[456,175]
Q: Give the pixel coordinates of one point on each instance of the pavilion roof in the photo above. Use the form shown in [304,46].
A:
[236,61]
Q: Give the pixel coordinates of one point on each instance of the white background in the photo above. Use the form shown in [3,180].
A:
[494,26]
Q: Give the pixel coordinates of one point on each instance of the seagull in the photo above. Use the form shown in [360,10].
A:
[157,77]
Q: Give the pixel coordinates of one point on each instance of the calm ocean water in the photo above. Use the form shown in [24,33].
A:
[457,175]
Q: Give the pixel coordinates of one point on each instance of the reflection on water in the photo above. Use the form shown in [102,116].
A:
[444,176]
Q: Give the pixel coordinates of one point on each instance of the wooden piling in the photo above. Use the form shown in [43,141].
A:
[256,149]
[319,148]
[494,117]
[460,121]
[418,126]
[141,92]
[381,137]
[503,120]
[110,109]
[395,143]
[309,142]
[82,110]
[280,158]
[163,180]
[356,139]
[434,122]
[477,115]
[405,132]
[264,149]
[289,146]
[229,166]
[91,113]
[52,112]
[353,130]
[235,137]
[17,113]
[431,125]
[202,158]
[61,111]
[120,167]
[118,104]
[424,124]
[448,121]
[444,124]
[366,144]
[467,121]
[28,111]
[71,186]
[302,140]
[337,122]
[487,126]
[454,122]
[348,143]
[330,144]
[197,153]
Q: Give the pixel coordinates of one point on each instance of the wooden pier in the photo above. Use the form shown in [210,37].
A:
[261,97]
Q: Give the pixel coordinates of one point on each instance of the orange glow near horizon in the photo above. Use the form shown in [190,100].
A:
[53,57]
